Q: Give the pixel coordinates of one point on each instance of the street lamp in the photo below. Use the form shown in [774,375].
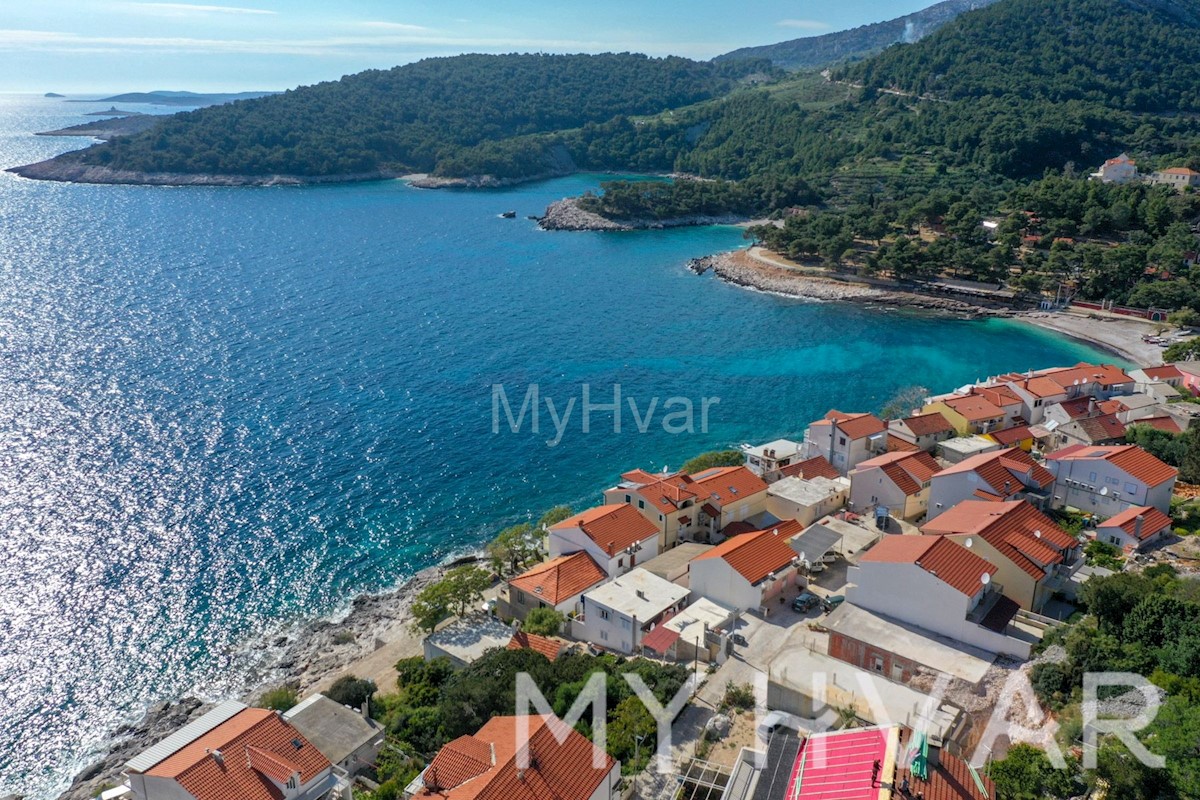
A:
[637,755]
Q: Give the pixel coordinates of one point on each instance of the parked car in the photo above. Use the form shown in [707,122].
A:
[830,558]
[833,601]
[805,601]
[815,567]
[739,640]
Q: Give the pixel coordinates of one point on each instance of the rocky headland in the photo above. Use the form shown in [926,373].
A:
[741,268]
[567,215]
[70,168]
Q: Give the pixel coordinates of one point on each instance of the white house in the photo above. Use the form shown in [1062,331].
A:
[616,615]
[939,585]
[1135,528]
[1002,475]
[899,482]
[845,440]
[1121,169]
[751,571]
[617,537]
[1108,480]
[807,499]
[234,751]
[766,460]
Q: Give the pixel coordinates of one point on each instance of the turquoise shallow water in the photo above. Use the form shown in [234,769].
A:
[223,409]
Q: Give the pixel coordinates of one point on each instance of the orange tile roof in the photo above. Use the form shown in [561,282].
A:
[999,396]
[897,445]
[756,555]
[612,527]
[1153,521]
[818,466]
[1013,467]
[560,579]
[725,485]
[855,426]
[548,647]
[1079,407]
[556,771]
[907,470]
[256,747]
[1132,459]
[946,560]
[459,761]
[1166,372]
[974,408]
[949,779]
[1011,436]
[1042,387]
[1167,424]
[1102,429]
[1083,373]
[926,424]
[1110,406]
[1180,171]
[667,493]
[1020,532]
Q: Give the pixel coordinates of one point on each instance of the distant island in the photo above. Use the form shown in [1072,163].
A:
[53,94]
[186,99]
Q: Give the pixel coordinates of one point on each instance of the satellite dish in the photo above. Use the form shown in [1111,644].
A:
[985,578]
[969,542]
[1104,491]
[803,556]
[1037,534]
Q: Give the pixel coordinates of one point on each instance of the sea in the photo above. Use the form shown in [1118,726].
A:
[224,410]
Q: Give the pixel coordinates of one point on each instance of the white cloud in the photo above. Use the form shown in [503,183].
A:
[176,9]
[391,26]
[804,24]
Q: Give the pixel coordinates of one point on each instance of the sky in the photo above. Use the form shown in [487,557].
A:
[109,46]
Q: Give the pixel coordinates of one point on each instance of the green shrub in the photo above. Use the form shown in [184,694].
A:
[738,695]
[279,699]
[543,622]
[351,691]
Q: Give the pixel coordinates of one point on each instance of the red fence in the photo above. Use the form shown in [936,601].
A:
[1152,314]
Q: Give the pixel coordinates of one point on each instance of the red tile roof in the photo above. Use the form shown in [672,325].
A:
[667,493]
[815,467]
[612,527]
[927,424]
[545,645]
[999,396]
[256,746]
[726,485]
[661,638]
[1020,532]
[942,558]
[897,445]
[1167,424]
[907,470]
[1041,387]
[974,408]
[1083,373]
[1012,436]
[1013,467]
[756,555]
[1132,459]
[458,762]
[856,426]
[1167,372]
[1102,429]
[1079,407]
[565,771]
[560,579]
[1153,521]
[950,779]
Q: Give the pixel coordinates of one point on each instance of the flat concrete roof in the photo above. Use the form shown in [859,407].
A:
[808,491]
[910,642]
[855,538]
[468,639]
[700,614]
[970,445]
[847,685]
[674,563]
[334,729]
[637,594]
[784,448]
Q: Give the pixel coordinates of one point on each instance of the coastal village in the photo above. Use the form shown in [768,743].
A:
[871,590]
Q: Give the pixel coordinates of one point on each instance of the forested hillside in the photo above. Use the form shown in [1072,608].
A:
[813,52]
[415,116]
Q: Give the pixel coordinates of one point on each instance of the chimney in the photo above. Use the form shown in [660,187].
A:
[1091,405]
[1137,526]
[640,594]
[217,755]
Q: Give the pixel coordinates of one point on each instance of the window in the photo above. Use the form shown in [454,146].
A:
[842,441]
[660,517]
[1130,488]
[604,613]
[628,499]
[625,623]
[521,598]
[620,562]
[878,663]
[641,503]
[604,636]
[1091,477]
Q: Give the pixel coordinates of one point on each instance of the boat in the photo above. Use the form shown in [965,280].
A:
[509,215]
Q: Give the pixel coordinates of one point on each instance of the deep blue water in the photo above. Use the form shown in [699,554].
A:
[223,409]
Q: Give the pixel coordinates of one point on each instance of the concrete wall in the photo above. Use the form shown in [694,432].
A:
[870,657]
[1080,483]
[783,508]
[948,490]
[872,487]
[714,579]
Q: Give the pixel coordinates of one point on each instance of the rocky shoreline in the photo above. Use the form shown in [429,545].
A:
[69,168]
[311,653]
[741,269]
[566,215]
